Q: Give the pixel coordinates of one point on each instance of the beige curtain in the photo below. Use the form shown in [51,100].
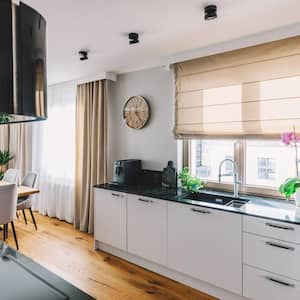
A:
[17,139]
[20,147]
[4,141]
[4,137]
[250,92]
[90,150]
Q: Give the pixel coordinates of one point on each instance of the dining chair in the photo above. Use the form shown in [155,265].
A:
[26,202]
[11,176]
[8,204]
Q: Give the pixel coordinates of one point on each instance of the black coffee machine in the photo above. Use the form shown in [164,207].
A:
[127,172]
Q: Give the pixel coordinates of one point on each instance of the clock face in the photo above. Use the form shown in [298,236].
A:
[136,112]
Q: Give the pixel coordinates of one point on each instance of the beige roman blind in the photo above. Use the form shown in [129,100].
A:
[250,92]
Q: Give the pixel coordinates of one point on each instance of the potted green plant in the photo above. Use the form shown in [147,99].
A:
[5,118]
[290,187]
[5,157]
[190,183]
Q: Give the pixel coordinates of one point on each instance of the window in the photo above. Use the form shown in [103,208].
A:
[262,165]
[268,163]
[266,168]
[206,157]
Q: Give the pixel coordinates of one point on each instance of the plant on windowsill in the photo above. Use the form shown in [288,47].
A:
[291,186]
[5,118]
[5,157]
[189,183]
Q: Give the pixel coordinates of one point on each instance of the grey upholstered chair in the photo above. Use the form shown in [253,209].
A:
[8,204]
[11,176]
[25,202]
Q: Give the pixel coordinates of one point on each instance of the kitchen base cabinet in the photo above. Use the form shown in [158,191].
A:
[110,218]
[206,244]
[208,249]
[147,228]
[263,285]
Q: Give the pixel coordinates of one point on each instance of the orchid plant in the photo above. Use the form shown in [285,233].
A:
[289,187]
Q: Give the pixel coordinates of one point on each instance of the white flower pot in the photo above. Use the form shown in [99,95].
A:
[297,198]
[297,213]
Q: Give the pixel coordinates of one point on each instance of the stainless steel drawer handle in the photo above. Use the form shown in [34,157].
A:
[201,211]
[116,195]
[145,200]
[280,226]
[280,282]
[280,246]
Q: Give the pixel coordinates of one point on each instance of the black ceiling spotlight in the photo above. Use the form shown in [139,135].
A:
[133,38]
[210,12]
[83,54]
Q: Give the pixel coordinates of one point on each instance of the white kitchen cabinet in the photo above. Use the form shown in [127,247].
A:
[147,228]
[263,285]
[206,244]
[110,218]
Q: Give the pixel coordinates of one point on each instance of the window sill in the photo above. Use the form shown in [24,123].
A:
[247,191]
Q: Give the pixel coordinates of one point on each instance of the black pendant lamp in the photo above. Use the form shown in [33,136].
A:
[23,83]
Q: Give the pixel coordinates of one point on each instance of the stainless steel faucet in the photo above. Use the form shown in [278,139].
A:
[236,181]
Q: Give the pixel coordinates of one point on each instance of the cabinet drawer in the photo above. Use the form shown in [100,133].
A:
[272,255]
[261,285]
[277,230]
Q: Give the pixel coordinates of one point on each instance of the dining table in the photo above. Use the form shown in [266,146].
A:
[23,191]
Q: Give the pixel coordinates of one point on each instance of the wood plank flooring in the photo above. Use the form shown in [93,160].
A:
[70,254]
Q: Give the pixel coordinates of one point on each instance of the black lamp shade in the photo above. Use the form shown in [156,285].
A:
[23,84]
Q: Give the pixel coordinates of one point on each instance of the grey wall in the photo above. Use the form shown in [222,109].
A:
[154,144]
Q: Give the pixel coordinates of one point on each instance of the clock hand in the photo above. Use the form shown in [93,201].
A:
[137,116]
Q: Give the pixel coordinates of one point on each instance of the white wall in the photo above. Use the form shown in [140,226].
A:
[154,144]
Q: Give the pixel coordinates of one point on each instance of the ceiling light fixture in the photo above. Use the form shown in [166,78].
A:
[210,12]
[133,38]
[83,55]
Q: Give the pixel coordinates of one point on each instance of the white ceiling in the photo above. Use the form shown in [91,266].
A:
[167,27]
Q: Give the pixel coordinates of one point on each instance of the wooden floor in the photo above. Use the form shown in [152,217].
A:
[69,253]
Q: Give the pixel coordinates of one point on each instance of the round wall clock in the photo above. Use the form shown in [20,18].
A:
[136,112]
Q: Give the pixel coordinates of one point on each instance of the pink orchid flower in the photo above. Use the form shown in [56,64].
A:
[288,137]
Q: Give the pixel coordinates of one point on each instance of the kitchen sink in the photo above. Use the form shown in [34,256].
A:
[218,199]
[237,203]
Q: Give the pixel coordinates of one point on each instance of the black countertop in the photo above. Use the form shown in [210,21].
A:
[269,208]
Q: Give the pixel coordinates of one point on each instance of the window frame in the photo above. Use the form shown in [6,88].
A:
[240,158]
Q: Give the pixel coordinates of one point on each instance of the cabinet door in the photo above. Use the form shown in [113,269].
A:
[206,244]
[110,218]
[147,228]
